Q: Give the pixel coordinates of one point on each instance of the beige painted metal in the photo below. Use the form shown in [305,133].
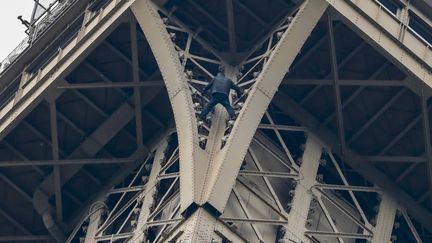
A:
[148,194]
[367,170]
[192,162]
[229,160]
[383,30]
[95,218]
[88,147]
[65,60]
[301,202]
[385,219]
[201,227]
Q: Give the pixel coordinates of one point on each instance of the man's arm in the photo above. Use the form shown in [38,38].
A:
[207,87]
[236,88]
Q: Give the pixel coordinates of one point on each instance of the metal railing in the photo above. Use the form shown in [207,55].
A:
[409,28]
[14,54]
[39,25]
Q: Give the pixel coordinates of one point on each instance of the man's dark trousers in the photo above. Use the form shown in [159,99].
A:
[218,98]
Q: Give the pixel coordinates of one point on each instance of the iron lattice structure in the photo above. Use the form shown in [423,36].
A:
[100,141]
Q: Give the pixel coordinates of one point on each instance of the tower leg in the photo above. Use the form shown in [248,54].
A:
[385,219]
[302,195]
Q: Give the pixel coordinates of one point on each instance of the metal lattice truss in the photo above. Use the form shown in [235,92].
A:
[299,163]
[266,197]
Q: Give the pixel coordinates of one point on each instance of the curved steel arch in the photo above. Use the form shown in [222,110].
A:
[217,183]
[231,157]
[180,97]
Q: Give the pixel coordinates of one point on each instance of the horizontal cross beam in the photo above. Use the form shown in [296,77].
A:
[65,162]
[29,238]
[399,159]
[344,82]
[100,85]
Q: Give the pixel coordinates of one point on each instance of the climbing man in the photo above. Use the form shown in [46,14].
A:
[220,88]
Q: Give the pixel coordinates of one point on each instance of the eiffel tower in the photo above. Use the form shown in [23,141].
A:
[101,140]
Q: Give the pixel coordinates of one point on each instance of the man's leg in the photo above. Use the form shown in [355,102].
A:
[225,102]
[213,101]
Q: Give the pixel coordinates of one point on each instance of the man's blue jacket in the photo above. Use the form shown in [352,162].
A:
[221,84]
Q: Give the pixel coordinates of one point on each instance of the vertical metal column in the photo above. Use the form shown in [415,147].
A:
[303,196]
[55,156]
[148,193]
[222,179]
[136,78]
[385,219]
[96,212]
[192,158]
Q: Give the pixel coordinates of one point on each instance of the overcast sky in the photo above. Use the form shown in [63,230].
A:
[12,31]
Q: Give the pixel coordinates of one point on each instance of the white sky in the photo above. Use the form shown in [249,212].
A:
[11,29]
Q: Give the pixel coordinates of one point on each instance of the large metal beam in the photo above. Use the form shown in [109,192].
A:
[342,82]
[230,158]
[56,156]
[231,28]
[136,78]
[427,139]
[381,29]
[148,198]
[302,196]
[21,238]
[59,162]
[385,219]
[61,64]
[94,218]
[399,159]
[141,159]
[203,227]
[191,178]
[246,212]
[336,88]
[368,171]
[104,85]
[88,148]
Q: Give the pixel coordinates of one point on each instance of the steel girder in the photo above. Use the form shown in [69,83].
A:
[89,147]
[148,194]
[158,210]
[393,38]
[191,156]
[221,178]
[302,196]
[202,182]
[385,219]
[230,158]
[134,189]
[36,87]
[203,227]
[368,171]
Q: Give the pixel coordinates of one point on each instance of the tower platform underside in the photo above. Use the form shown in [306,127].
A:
[101,140]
